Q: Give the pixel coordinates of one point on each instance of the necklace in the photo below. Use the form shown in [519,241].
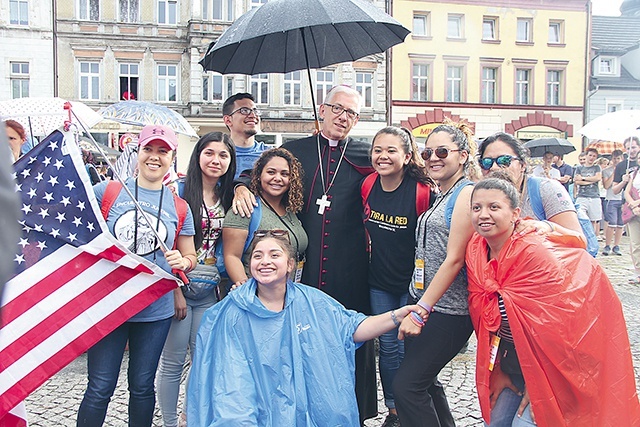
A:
[323,202]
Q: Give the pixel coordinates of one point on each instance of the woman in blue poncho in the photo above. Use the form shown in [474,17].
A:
[276,353]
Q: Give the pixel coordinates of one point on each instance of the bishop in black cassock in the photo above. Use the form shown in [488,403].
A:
[337,260]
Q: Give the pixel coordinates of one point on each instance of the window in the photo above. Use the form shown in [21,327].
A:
[421,25]
[129,81]
[554,79]
[556,35]
[257,3]
[216,87]
[324,83]
[607,66]
[489,84]
[523,86]
[613,105]
[217,10]
[260,88]
[89,10]
[292,85]
[129,10]
[420,82]
[524,30]
[168,12]
[489,28]
[167,83]
[19,12]
[454,84]
[90,81]
[19,79]
[455,26]
[364,85]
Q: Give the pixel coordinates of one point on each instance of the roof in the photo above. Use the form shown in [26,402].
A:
[625,81]
[615,34]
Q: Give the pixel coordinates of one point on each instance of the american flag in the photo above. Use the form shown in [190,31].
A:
[75,282]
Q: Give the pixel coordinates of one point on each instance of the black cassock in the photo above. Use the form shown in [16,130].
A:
[337,260]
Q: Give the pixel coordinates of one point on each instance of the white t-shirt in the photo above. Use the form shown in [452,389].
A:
[540,172]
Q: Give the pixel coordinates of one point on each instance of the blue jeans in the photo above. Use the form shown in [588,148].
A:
[391,348]
[504,413]
[146,340]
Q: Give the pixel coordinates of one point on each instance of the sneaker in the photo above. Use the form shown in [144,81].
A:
[607,250]
[616,250]
[392,420]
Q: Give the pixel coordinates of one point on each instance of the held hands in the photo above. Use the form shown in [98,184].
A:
[410,326]
[243,201]
[497,383]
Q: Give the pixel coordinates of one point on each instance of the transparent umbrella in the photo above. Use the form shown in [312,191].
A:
[140,113]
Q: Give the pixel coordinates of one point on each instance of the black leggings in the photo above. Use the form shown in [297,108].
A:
[419,396]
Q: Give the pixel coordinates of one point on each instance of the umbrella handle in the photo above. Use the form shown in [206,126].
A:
[67,123]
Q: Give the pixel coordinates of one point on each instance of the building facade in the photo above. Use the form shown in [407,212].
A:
[511,66]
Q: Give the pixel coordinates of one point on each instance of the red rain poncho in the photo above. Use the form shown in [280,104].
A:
[567,326]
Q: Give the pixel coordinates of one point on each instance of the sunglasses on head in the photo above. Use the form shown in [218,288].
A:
[271,233]
[441,152]
[503,161]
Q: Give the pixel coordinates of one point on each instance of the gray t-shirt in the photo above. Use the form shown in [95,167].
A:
[606,173]
[270,221]
[432,236]
[589,191]
[554,197]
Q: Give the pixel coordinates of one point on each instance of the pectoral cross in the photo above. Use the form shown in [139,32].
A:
[322,203]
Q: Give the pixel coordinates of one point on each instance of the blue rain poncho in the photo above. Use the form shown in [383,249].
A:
[256,367]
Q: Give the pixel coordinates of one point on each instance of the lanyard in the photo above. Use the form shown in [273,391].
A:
[298,257]
[433,209]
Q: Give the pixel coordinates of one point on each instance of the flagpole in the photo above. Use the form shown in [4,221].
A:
[141,211]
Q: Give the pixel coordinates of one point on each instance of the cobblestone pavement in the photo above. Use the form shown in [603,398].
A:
[56,402]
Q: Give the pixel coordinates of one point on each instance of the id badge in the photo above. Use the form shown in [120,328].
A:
[299,267]
[418,274]
[493,351]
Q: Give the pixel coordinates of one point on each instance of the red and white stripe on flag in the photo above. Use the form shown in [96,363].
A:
[70,295]
[17,417]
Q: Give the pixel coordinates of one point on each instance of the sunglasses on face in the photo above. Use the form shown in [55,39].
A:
[503,161]
[441,152]
[271,233]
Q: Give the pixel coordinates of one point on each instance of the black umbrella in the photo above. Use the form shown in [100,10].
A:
[537,147]
[289,35]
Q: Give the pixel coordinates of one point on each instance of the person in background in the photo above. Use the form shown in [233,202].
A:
[278,353]
[613,208]
[502,151]
[399,184]
[566,171]
[439,283]
[16,136]
[208,189]
[545,170]
[276,180]
[145,332]
[586,179]
[87,157]
[242,118]
[541,307]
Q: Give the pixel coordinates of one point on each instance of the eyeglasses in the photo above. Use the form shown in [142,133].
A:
[271,233]
[503,161]
[441,152]
[338,109]
[245,111]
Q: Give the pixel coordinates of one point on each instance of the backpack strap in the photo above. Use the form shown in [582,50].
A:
[423,198]
[451,203]
[109,197]
[533,190]
[256,217]
[181,211]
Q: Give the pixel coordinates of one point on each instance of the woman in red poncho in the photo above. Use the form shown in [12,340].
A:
[547,298]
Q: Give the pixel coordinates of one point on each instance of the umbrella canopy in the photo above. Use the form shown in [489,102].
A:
[606,147]
[288,35]
[88,145]
[537,147]
[139,113]
[41,116]
[616,126]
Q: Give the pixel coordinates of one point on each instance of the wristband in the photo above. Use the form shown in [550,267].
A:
[425,306]
[394,318]
[190,264]
[550,224]
[416,319]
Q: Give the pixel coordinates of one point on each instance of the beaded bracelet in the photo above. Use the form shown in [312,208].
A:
[394,318]
[416,319]
[425,306]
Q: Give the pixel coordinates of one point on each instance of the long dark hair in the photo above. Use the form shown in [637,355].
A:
[193,188]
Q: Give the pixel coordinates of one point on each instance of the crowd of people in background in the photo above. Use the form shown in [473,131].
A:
[299,256]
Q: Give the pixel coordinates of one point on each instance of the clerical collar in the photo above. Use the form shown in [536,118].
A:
[332,142]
